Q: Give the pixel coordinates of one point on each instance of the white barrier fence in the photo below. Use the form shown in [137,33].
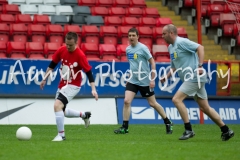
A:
[41,111]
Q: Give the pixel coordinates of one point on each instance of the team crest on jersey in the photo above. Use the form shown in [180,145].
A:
[132,56]
[174,55]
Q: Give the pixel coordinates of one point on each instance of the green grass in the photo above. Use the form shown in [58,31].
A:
[144,142]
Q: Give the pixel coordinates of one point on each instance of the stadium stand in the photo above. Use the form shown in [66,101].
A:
[102,26]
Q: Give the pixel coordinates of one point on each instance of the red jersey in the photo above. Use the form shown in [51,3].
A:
[71,65]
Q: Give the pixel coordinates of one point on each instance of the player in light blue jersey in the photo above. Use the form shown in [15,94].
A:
[187,59]
[139,58]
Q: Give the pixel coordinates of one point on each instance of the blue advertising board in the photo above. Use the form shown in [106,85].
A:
[142,113]
[23,77]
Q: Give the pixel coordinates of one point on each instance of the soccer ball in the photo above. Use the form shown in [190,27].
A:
[24,133]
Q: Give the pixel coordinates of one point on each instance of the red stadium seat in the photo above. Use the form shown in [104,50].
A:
[99,11]
[188,3]
[7,18]
[91,51]
[157,32]
[41,19]
[72,28]
[227,9]
[50,48]
[123,31]
[161,41]
[86,2]
[121,3]
[108,52]
[91,34]
[117,11]
[18,32]
[90,30]
[121,52]
[125,41]
[146,41]
[138,3]
[218,2]
[3,1]
[145,32]
[226,18]
[55,33]
[4,32]
[228,30]
[130,21]
[161,22]
[134,12]
[37,33]
[160,53]
[23,18]
[235,30]
[204,10]
[215,19]
[106,3]
[112,21]
[109,34]
[151,12]
[34,50]
[3,50]
[182,32]
[16,49]
[10,9]
[214,9]
[147,21]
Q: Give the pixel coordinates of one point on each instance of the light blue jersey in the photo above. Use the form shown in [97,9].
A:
[138,57]
[183,56]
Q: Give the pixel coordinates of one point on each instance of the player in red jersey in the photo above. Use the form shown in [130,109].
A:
[73,60]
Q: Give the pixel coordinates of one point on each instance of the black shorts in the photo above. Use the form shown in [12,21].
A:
[144,90]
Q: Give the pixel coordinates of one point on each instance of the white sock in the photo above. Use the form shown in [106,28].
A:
[70,113]
[60,122]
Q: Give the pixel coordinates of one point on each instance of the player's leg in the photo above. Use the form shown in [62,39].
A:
[59,104]
[130,92]
[71,91]
[186,89]
[150,96]
[201,99]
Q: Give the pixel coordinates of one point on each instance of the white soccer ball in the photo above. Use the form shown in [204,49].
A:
[24,133]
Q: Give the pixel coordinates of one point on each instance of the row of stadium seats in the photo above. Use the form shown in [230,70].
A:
[218,13]
[89,34]
[106,52]
[121,3]
[82,20]
[79,10]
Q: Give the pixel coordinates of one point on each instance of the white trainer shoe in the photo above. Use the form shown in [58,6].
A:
[59,138]
[86,119]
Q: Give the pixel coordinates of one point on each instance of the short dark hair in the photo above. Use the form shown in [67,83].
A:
[72,35]
[133,30]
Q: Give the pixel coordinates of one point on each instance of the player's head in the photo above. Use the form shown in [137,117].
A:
[133,36]
[71,41]
[169,33]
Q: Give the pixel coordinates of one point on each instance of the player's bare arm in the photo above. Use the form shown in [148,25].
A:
[200,52]
[92,83]
[43,82]
[153,73]
[164,78]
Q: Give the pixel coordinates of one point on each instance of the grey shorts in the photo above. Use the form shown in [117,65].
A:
[192,89]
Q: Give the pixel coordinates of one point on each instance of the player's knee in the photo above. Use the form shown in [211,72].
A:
[153,104]
[58,105]
[175,100]
[127,102]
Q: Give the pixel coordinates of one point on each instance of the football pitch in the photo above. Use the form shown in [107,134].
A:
[98,142]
